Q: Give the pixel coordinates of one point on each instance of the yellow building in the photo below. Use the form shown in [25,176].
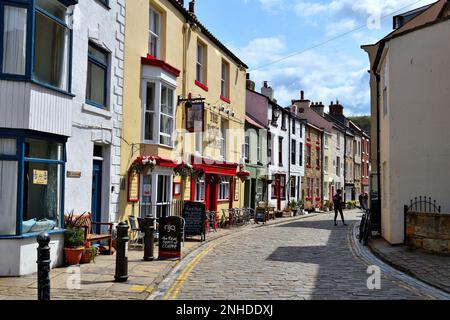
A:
[184,102]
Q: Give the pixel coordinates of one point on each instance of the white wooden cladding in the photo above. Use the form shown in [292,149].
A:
[24,105]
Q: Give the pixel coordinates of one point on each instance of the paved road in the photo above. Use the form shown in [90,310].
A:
[304,259]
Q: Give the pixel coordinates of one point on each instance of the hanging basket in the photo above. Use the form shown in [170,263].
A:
[183,170]
[143,164]
[243,175]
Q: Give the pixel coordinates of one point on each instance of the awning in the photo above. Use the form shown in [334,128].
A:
[253,122]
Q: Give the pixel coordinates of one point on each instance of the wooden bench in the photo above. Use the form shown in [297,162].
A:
[85,222]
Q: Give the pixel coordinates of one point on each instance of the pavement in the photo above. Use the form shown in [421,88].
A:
[429,268]
[298,260]
[95,281]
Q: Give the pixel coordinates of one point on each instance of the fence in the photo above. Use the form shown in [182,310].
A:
[419,204]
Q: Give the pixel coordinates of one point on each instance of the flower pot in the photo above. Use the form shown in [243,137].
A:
[73,255]
[87,256]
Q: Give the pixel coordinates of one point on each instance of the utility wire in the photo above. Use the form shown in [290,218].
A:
[331,39]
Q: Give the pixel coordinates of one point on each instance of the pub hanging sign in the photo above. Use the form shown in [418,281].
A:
[195,117]
[133,187]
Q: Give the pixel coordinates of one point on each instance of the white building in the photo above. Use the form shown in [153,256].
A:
[278,138]
[297,157]
[337,180]
[60,94]
[410,73]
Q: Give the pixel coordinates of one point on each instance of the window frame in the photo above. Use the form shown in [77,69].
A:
[225,80]
[20,136]
[224,188]
[105,68]
[293,152]
[201,64]
[152,11]
[29,75]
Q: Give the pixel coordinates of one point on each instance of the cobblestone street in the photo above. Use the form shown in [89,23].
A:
[304,259]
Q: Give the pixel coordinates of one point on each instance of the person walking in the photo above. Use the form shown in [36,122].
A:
[361,201]
[337,201]
[366,201]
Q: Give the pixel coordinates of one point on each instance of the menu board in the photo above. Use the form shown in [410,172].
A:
[169,238]
[260,215]
[133,187]
[195,216]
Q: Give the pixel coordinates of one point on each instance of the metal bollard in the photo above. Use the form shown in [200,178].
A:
[43,262]
[149,241]
[121,259]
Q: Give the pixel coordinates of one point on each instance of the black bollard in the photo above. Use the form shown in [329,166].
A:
[121,259]
[43,262]
[149,241]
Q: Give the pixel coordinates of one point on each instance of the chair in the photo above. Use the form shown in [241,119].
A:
[136,233]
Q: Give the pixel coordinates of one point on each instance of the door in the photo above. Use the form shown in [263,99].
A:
[211,192]
[96,202]
[253,194]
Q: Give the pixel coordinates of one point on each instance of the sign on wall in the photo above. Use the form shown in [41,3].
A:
[133,187]
[40,177]
[195,117]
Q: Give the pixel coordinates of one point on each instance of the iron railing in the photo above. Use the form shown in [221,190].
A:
[419,204]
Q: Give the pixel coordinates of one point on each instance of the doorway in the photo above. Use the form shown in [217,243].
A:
[96,202]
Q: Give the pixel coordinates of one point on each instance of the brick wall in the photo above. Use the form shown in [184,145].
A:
[430,231]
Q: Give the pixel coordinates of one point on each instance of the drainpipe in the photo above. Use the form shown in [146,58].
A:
[377,77]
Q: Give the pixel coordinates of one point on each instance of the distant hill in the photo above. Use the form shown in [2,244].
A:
[363,122]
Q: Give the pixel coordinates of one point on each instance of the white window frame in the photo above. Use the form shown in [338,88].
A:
[247,147]
[258,146]
[167,115]
[200,63]
[159,83]
[199,191]
[154,33]
[224,80]
[223,139]
[154,204]
[223,190]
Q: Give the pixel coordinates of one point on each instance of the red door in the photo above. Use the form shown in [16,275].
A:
[211,192]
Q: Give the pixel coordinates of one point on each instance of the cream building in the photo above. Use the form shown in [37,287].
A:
[409,73]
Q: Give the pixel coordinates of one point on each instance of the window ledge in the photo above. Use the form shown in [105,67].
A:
[32,235]
[98,111]
[201,85]
[224,99]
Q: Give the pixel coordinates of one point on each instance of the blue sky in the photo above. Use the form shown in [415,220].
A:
[263,31]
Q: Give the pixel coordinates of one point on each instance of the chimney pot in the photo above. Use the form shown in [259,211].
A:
[265,84]
[302,95]
[192,6]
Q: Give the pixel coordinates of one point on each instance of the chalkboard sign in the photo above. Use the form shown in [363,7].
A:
[195,217]
[170,238]
[260,215]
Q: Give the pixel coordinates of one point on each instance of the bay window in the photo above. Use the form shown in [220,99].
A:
[224,188]
[31,184]
[42,56]
[158,113]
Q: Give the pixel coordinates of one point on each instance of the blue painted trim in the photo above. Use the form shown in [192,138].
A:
[105,67]
[52,17]
[36,160]
[31,235]
[21,185]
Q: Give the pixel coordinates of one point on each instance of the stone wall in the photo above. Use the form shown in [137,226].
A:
[430,231]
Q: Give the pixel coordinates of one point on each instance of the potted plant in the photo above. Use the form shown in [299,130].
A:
[294,207]
[73,245]
[183,170]
[89,253]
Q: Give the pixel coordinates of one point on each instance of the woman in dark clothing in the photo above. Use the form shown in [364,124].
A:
[337,201]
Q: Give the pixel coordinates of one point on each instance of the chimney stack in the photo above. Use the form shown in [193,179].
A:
[191,6]
[249,83]
[302,95]
[267,91]
[336,109]
[319,108]
[181,2]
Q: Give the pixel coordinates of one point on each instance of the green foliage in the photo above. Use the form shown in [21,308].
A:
[294,205]
[364,122]
[73,237]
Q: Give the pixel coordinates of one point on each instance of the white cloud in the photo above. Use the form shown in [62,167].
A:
[306,9]
[316,73]
[340,27]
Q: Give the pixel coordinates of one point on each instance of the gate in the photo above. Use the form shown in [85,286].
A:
[419,204]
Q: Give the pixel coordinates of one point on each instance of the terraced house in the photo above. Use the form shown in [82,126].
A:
[184,104]
[61,66]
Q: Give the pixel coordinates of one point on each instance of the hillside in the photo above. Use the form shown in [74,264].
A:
[363,122]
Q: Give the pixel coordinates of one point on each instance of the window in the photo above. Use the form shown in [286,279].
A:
[293,187]
[224,82]
[223,130]
[201,66]
[166,127]
[247,147]
[293,126]
[293,152]
[282,186]
[338,140]
[308,156]
[51,44]
[224,188]
[318,193]
[283,121]
[280,151]
[318,158]
[146,197]
[105,2]
[258,146]
[326,141]
[200,189]
[325,164]
[154,33]
[8,187]
[308,188]
[149,126]
[301,130]
[163,195]
[300,151]
[96,86]
[269,148]
[14,40]
[338,166]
